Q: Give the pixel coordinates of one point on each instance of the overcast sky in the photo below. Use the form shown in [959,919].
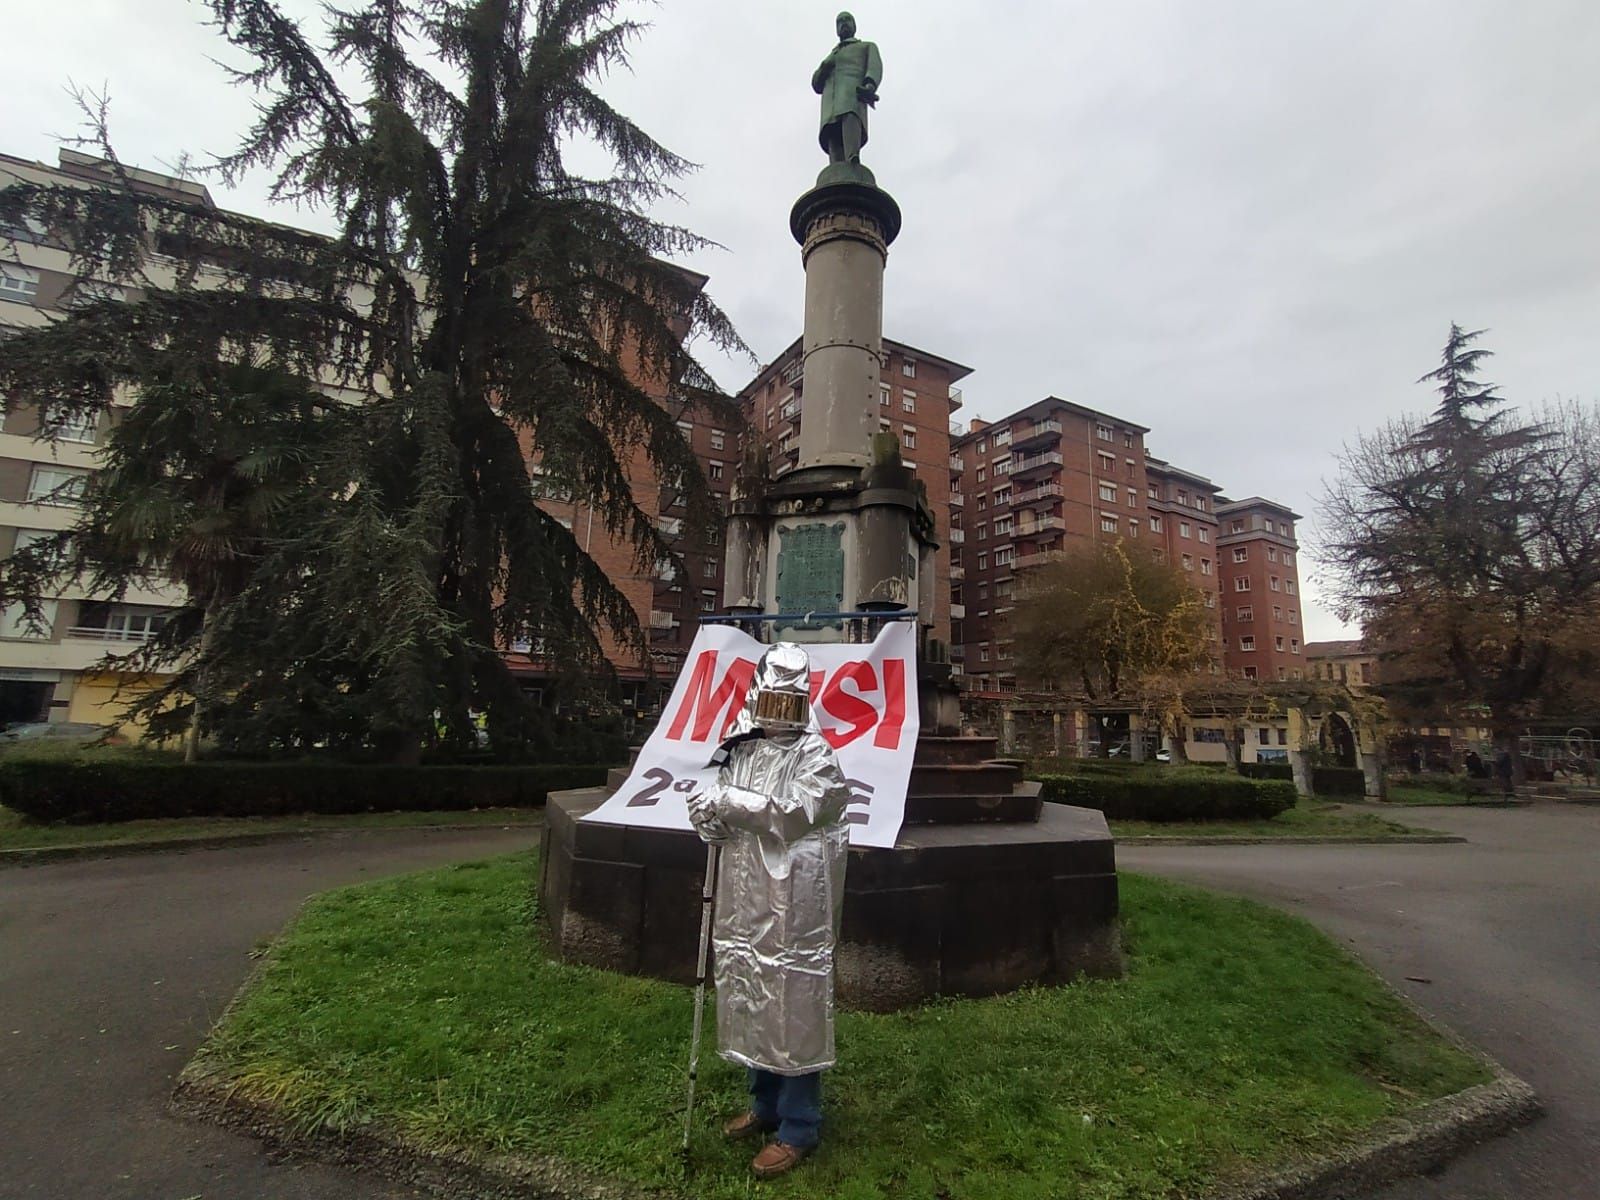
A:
[1247,225]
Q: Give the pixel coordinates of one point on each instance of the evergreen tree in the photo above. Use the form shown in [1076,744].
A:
[1469,546]
[489,304]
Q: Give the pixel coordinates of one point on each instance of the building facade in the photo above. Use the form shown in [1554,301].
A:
[1262,633]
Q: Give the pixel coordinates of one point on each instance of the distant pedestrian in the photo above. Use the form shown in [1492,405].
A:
[1416,762]
[1476,768]
[1503,771]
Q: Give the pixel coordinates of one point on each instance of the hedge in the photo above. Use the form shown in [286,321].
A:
[1325,781]
[84,791]
[1171,794]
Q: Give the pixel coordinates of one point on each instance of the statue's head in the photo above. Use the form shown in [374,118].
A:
[846,25]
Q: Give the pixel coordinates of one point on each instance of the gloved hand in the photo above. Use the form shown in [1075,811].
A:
[703,815]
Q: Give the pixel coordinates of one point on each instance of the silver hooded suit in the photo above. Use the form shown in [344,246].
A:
[778,809]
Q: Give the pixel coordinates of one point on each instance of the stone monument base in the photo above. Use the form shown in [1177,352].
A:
[970,909]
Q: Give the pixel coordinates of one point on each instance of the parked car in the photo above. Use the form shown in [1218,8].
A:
[1122,750]
[80,731]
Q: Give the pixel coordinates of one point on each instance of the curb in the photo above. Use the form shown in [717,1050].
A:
[40,855]
[1398,839]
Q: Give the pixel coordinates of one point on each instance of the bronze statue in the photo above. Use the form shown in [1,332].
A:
[848,82]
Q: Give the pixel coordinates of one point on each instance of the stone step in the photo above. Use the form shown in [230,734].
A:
[961,779]
[1023,804]
[970,751]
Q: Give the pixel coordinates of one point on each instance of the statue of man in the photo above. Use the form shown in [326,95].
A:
[848,82]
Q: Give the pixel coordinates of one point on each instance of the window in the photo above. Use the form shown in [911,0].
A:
[1188,562]
[1245,613]
[1002,495]
[27,537]
[1203,533]
[1274,583]
[1183,498]
[1288,558]
[983,589]
[1272,554]
[1108,464]
[1241,553]
[883,427]
[1288,586]
[1241,583]
[1277,643]
[1133,527]
[1264,735]
[983,501]
[1267,522]
[1127,440]
[1002,556]
[1002,438]
[1281,675]
[1002,467]
[983,560]
[1294,616]
[1155,524]
[1103,432]
[13,624]
[1108,523]
[714,470]
[1205,566]
[686,428]
[1108,493]
[717,437]
[772,417]
[908,369]
[1133,498]
[908,401]
[983,445]
[1200,503]
[72,427]
[982,474]
[1002,526]
[56,485]
[883,395]
[1249,672]
[18,284]
[709,570]
[908,437]
[1002,587]
[1183,529]
[1211,600]
[983,652]
[708,600]
[983,530]
[1236,527]
[1294,648]
[1154,492]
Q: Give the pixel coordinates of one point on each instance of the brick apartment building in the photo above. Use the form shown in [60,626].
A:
[1261,627]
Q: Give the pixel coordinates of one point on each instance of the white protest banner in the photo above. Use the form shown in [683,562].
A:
[864,697]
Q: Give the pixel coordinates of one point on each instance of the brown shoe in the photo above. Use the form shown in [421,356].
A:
[745,1125]
[776,1158]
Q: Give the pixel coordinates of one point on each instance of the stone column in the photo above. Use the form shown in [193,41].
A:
[1055,733]
[1135,738]
[1372,774]
[1300,766]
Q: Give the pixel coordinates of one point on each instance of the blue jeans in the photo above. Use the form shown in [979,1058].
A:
[791,1104]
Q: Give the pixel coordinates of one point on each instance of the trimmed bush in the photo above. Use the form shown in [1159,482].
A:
[1171,794]
[107,790]
[1325,781]
[1440,781]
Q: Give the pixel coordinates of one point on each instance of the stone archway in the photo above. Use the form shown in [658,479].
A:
[1337,740]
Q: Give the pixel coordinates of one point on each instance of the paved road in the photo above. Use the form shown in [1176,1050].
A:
[111,971]
[1506,930]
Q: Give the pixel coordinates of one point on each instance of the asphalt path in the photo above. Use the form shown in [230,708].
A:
[111,973]
[1498,938]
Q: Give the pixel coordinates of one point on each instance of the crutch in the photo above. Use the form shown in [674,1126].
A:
[708,894]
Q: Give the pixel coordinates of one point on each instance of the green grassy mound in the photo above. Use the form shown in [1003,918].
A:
[425,1006]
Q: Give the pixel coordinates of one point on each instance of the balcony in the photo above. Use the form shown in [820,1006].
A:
[662,620]
[958,537]
[957,653]
[1042,433]
[1045,491]
[955,398]
[1033,464]
[957,500]
[98,633]
[957,574]
[1024,561]
[958,612]
[791,411]
[795,373]
[955,463]
[670,526]
[1040,525]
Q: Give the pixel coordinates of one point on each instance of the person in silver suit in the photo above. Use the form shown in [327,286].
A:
[777,808]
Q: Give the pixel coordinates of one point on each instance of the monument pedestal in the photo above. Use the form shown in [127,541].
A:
[986,890]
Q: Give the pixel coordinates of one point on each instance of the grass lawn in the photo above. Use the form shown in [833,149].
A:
[1313,818]
[18,833]
[425,1006]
